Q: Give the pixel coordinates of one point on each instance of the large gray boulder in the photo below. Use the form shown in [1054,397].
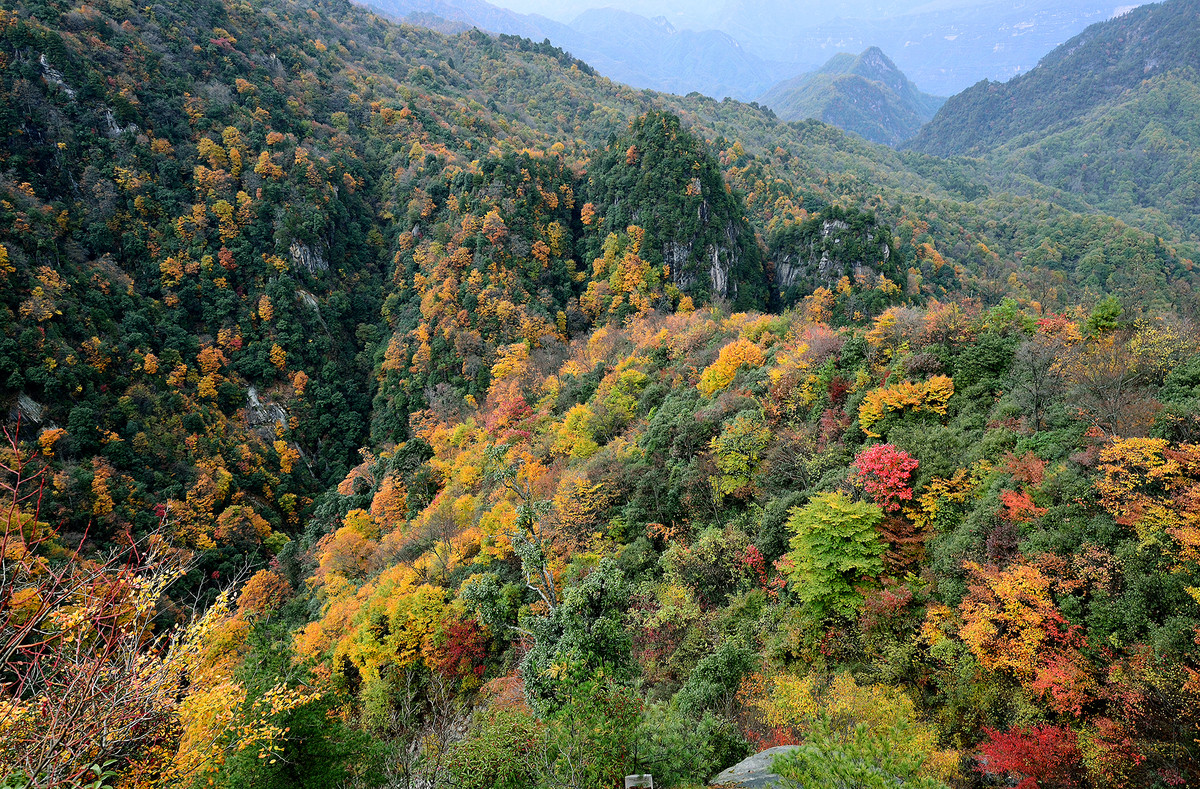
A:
[753,772]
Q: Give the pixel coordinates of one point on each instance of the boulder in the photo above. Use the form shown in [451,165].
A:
[754,771]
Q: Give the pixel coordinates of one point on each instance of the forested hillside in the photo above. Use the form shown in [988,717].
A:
[1091,69]
[865,94]
[392,408]
[1106,122]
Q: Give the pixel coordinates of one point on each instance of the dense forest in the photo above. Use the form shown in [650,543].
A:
[388,408]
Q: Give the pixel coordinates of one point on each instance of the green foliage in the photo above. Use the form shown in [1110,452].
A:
[319,750]
[590,741]
[582,637]
[499,751]
[713,683]
[835,547]
[1104,317]
[738,451]
[861,757]
[681,750]
[660,177]
[866,95]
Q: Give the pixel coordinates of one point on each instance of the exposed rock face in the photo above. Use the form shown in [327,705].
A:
[309,258]
[722,260]
[820,251]
[29,410]
[821,258]
[309,300]
[112,128]
[55,77]
[753,772]
[258,413]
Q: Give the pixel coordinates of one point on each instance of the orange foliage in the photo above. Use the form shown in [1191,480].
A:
[733,357]
[1010,620]
[929,396]
[263,593]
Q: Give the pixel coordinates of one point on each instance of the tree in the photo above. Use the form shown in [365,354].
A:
[87,678]
[1037,378]
[1010,622]
[834,548]
[731,358]
[738,451]
[582,638]
[1107,385]
[884,471]
[1042,757]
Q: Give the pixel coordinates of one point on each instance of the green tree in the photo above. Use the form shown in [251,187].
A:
[738,451]
[860,757]
[581,637]
[834,547]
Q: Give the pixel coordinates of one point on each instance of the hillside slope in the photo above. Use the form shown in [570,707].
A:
[432,386]
[1091,70]
[1107,122]
[309,193]
[864,94]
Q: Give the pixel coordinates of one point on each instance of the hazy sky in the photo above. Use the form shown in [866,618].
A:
[683,13]
[702,14]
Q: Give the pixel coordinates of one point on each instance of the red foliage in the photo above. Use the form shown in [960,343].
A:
[507,419]
[1117,762]
[1041,756]
[1028,469]
[1064,678]
[1053,324]
[755,563]
[884,471]
[1019,507]
[771,737]
[906,543]
[883,606]
[462,650]
[838,388]
[833,424]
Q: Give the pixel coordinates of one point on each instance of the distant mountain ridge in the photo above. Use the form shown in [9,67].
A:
[865,94]
[1091,69]
[746,47]
[1107,121]
[942,46]
[623,46]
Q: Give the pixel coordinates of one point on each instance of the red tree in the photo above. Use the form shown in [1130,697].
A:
[884,471]
[1043,757]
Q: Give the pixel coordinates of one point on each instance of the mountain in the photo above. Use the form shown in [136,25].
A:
[1097,67]
[944,46]
[866,95]
[1107,119]
[651,53]
[259,209]
[627,47]
[392,408]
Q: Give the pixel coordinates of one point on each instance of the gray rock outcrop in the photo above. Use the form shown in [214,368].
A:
[754,772]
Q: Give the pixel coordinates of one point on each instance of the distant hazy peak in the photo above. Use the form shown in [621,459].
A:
[866,94]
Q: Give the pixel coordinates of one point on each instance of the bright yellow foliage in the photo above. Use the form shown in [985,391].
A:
[732,358]
[926,397]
